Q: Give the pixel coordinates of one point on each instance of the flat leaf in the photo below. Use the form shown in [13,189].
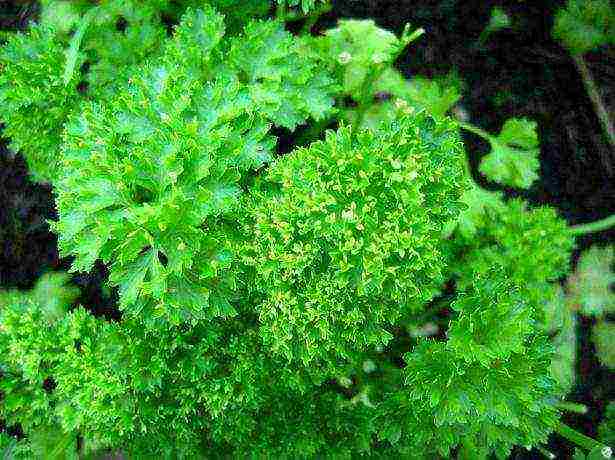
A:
[591,286]
[513,159]
[73,50]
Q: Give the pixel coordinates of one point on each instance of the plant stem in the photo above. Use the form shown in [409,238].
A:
[546,453]
[593,227]
[572,407]
[365,99]
[280,12]
[479,132]
[596,99]
[475,130]
[577,438]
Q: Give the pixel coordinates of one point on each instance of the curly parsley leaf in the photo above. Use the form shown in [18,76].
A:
[157,170]
[283,77]
[348,221]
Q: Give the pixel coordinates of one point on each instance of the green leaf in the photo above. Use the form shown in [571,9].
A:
[499,20]
[513,159]
[591,286]
[284,78]
[437,97]
[606,430]
[55,295]
[583,25]
[130,279]
[153,173]
[52,294]
[562,321]
[603,336]
[345,235]
[73,50]
[359,47]
[599,453]
[480,204]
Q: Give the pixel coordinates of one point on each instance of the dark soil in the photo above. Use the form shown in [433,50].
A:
[520,71]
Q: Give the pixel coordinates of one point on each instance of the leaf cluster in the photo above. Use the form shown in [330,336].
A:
[153,178]
[583,25]
[271,302]
[346,235]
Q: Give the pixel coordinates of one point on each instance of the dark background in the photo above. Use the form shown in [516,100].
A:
[519,71]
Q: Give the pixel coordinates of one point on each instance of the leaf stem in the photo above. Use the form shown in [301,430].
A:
[73,50]
[375,74]
[546,453]
[593,227]
[475,130]
[280,11]
[577,438]
[596,99]
[412,37]
[364,100]
[572,407]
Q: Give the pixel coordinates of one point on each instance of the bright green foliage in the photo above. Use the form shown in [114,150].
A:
[534,248]
[154,167]
[346,235]
[27,348]
[533,245]
[583,25]
[393,94]
[603,336]
[598,452]
[156,394]
[62,16]
[109,49]
[13,449]
[359,46]
[499,323]
[436,96]
[606,430]
[513,159]
[159,167]
[361,55]
[52,292]
[480,204]
[359,50]
[48,442]
[274,308]
[560,322]
[591,286]
[34,101]
[283,78]
[490,400]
